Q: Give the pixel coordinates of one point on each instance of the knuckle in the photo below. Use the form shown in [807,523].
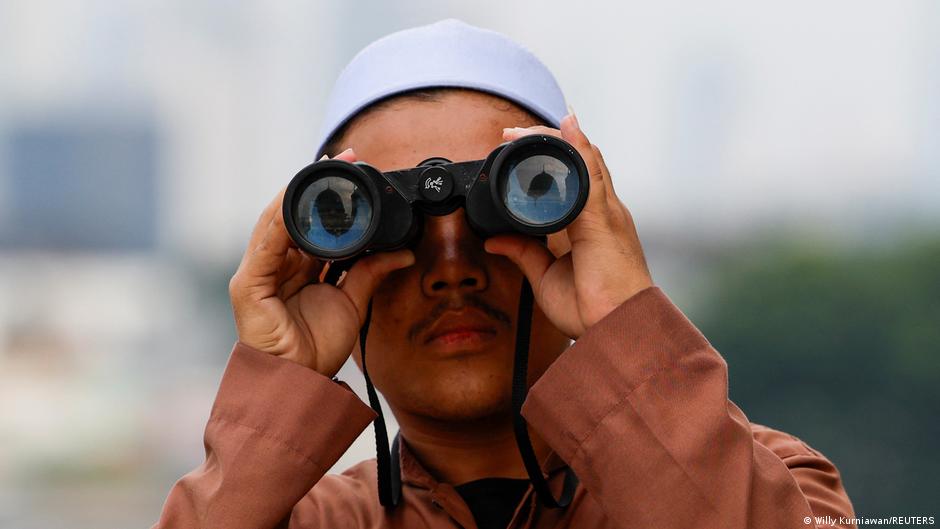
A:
[278,219]
[527,251]
[593,221]
[236,285]
[370,272]
[262,246]
[265,217]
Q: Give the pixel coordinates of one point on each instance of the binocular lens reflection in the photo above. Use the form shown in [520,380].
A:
[540,189]
[333,213]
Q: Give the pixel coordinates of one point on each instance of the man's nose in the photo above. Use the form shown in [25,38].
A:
[451,256]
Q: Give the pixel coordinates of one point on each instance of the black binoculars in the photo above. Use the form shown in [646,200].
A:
[336,210]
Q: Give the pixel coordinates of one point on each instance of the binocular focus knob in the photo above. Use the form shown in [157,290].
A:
[436,184]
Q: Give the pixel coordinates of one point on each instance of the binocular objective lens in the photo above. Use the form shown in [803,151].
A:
[539,189]
[333,213]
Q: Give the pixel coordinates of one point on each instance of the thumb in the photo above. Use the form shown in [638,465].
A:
[529,254]
[365,276]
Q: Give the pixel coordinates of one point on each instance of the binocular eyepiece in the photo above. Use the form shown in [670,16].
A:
[335,210]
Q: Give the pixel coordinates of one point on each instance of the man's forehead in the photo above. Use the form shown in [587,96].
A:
[458,126]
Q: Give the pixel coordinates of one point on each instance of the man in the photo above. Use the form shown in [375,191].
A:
[637,407]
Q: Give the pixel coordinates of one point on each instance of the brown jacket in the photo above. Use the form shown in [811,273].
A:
[638,407]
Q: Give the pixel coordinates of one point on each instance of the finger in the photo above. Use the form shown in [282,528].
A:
[514,133]
[614,204]
[558,243]
[571,132]
[291,264]
[605,172]
[529,254]
[365,276]
[264,260]
[264,220]
[595,218]
[305,272]
[348,155]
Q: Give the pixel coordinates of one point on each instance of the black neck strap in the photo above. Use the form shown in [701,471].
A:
[520,388]
[388,464]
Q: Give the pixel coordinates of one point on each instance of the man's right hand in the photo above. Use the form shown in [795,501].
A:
[278,310]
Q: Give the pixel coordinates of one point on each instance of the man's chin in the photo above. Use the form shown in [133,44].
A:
[469,413]
[461,404]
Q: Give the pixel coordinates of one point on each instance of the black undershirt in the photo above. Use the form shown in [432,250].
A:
[493,500]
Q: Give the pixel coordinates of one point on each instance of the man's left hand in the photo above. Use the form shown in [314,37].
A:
[600,265]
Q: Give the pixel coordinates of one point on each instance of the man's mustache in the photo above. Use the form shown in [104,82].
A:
[469,300]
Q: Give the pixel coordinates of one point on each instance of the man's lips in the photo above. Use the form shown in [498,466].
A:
[459,327]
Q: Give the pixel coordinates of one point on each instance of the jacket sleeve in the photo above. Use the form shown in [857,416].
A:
[275,429]
[639,408]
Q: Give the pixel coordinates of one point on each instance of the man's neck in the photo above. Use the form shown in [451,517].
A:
[460,452]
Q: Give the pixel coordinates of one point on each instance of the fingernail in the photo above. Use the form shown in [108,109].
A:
[574,117]
[348,150]
[406,259]
[324,157]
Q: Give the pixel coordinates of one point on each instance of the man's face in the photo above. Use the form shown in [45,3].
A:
[442,338]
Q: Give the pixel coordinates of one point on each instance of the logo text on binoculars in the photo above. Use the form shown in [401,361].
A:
[435,184]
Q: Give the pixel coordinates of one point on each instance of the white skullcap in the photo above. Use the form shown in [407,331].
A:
[449,53]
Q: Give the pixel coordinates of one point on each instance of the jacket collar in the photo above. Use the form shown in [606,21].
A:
[446,497]
[413,472]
